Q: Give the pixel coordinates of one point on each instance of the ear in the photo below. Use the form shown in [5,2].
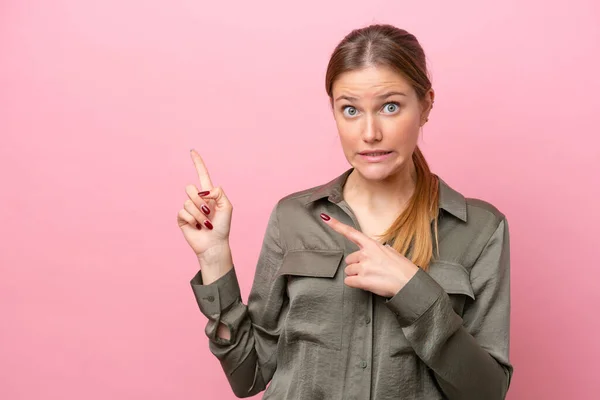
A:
[427,105]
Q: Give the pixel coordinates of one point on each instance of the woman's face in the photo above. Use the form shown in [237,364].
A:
[378,116]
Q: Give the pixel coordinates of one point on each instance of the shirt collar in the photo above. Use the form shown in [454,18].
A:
[449,199]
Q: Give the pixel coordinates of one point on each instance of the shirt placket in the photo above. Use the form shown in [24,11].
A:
[360,345]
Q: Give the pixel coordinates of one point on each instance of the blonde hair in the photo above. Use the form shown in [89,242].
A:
[412,229]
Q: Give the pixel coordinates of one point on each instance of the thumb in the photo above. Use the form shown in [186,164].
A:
[218,196]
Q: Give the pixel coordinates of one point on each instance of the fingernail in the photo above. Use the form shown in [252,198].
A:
[325,217]
[198,226]
[205,209]
[208,224]
[204,193]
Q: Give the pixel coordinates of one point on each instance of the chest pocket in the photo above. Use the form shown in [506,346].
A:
[455,281]
[315,296]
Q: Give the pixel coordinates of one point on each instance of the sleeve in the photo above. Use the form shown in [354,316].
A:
[470,355]
[248,358]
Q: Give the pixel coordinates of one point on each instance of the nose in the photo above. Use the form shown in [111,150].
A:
[371,132]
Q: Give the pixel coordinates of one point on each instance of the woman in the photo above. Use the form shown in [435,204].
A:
[384,283]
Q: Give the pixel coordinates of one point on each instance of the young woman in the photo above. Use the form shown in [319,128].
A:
[384,283]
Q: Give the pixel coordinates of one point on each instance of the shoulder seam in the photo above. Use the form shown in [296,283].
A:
[499,215]
[301,193]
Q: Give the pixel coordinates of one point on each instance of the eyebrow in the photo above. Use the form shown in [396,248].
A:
[381,96]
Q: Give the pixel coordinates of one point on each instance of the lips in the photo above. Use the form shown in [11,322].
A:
[374,153]
[375,156]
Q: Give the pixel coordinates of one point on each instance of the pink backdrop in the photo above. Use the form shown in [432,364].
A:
[101,101]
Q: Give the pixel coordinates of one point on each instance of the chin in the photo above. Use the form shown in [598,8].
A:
[376,172]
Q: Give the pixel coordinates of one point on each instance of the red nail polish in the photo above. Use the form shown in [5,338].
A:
[198,226]
[202,194]
[325,217]
[208,224]
[205,209]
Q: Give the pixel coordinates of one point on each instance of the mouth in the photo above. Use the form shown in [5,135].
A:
[376,153]
[375,156]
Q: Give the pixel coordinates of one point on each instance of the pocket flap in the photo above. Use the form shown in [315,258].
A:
[315,263]
[454,278]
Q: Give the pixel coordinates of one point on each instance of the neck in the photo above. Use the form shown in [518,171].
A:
[391,193]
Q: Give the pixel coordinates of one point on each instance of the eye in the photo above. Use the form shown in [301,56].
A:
[391,108]
[349,111]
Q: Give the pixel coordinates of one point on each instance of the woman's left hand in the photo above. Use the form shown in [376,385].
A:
[374,267]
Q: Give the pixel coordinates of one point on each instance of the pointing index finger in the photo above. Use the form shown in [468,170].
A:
[355,236]
[205,181]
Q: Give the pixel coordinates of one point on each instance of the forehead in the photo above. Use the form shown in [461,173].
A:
[369,82]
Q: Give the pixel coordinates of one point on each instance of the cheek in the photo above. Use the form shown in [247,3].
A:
[403,131]
[348,132]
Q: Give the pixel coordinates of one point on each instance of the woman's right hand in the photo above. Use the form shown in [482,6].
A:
[205,219]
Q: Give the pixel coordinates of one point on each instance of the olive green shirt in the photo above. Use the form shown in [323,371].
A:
[444,335]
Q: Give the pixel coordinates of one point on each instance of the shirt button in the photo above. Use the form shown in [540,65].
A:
[363,364]
[368,320]
[210,298]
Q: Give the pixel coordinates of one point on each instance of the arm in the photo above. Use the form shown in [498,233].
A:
[248,353]
[469,356]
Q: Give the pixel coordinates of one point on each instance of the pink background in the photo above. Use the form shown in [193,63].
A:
[101,101]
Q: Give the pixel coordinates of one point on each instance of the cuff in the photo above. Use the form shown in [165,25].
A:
[415,298]
[217,297]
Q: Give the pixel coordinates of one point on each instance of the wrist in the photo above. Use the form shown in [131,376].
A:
[216,254]
[396,285]
[215,262]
